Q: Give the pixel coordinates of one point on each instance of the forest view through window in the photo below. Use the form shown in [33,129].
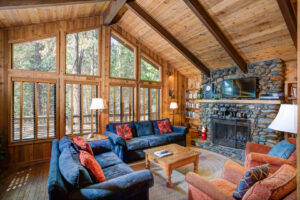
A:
[121,104]
[82,53]
[34,111]
[38,55]
[80,119]
[149,71]
[149,104]
[121,59]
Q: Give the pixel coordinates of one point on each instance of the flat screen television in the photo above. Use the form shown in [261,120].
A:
[244,88]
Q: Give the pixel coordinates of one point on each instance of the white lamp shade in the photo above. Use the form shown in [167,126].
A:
[97,104]
[286,119]
[173,105]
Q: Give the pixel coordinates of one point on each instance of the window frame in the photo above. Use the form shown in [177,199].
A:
[152,62]
[64,55]
[94,83]
[126,43]
[12,142]
[45,36]
[158,107]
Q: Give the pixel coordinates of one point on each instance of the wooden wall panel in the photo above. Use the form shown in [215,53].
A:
[21,153]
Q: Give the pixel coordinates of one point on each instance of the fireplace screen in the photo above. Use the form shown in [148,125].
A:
[231,132]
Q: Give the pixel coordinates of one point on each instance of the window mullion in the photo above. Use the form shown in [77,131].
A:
[36,106]
[48,109]
[114,117]
[149,103]
[92,112]
[130,102]
[122,103]
[21,111]
[81,110]
[72,109]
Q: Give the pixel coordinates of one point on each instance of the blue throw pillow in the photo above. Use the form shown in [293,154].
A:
[282,150]
[112,127]
[71,169]
[249,179]
[144,128]
[156,130]
[63,143]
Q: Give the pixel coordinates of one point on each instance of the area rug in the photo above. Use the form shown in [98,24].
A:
[210,167]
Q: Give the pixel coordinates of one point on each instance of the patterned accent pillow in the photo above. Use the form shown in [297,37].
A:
[249,179]
[89,162]
[83,145]
[124,131]
[164,127]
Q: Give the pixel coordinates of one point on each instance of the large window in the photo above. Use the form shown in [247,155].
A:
[34,110]
[149,104]
[121,59]
[38,55]
[80,119]
[149,71]
[121,104]
[82,53]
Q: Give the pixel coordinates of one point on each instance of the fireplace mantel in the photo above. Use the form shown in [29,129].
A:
[242,101]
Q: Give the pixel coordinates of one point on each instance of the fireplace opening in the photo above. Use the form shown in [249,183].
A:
[233,133]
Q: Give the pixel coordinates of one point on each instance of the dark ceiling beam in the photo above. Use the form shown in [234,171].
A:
[216,31]
[17,4]
[114,12]
[289,17]
[140,12]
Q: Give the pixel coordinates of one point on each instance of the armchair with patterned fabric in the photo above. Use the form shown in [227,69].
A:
[256,154]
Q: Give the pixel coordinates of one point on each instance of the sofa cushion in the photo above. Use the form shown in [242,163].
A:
[224,185]
[63,143]
[174,137]
[282,150]
[83,145]
[249,179]
[276,186]
[144,128]
[116,171]
[88,161]
[124,131]
[155,127]
[137,143]
[72,170]
[112,127]
[108,159]
[155,140]
[164,127]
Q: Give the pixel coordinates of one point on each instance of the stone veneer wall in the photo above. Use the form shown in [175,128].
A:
[270,74]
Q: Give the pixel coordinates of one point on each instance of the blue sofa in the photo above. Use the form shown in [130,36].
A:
[145,135]
[121,181]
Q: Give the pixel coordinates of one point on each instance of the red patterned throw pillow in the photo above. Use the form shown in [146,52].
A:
[124,131]
[83,145]
[164,127]
[89,162]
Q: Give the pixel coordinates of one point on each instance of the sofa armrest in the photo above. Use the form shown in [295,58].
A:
[272,160]
[233,172]
[127,186]
[100,146]
[115,139]
[180,129]
[257,148]
[206,187]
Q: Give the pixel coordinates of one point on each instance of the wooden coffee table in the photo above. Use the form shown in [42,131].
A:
[181,156]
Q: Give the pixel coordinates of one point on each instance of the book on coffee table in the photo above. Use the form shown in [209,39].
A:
[163,153]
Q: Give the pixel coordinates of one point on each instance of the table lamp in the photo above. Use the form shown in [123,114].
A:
[97,104]
[286,119]
[173,106]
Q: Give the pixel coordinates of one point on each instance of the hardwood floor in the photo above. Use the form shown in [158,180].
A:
[29,182]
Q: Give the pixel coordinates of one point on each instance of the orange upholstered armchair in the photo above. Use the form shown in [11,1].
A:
[280,185]
[256,154]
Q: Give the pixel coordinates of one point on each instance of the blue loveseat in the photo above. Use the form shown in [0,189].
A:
[121,181]
[145,135]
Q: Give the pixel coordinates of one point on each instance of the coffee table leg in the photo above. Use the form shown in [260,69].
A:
[147,162]
[169,174]
[196,163]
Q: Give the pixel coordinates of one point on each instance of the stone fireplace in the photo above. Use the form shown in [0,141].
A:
[270,75]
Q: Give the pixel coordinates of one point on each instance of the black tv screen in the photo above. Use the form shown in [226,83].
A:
[239,88]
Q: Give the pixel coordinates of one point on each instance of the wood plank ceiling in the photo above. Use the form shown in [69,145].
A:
[256,28]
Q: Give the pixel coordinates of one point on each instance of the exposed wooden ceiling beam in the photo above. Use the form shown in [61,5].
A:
[289,17]
[114,12]
[216,31]
[17,4]
[140,12]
